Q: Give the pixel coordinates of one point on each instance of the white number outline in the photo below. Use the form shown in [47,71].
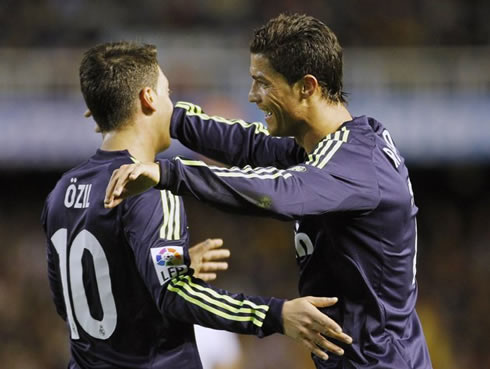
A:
[412,200]
[301,239]
[101,329]
[391,150]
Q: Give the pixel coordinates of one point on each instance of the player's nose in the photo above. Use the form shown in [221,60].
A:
[253,96]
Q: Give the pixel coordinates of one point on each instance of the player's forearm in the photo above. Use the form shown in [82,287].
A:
[257,191]
[193,301]
[234,142]
[283,194]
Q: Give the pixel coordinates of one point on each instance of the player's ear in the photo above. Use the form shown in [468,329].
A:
[147,99]
[308,85]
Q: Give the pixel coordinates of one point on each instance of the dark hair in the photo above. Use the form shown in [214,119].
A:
[296,45]
[111,77]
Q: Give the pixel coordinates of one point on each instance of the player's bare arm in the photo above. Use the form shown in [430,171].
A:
[306,324]
[207,258]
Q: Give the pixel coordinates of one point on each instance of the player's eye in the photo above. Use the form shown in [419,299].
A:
[263,83]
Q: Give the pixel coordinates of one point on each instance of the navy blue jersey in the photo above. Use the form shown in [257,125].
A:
[355,221]
[121,277]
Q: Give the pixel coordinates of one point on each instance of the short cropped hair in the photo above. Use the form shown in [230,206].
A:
[297,45]
[111,78]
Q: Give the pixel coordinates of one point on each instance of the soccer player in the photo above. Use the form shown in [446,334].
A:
[341,179]
[121,278]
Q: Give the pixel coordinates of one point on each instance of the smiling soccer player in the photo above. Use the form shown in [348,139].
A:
[341,179]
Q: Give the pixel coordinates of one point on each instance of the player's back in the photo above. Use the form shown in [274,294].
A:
[113,319]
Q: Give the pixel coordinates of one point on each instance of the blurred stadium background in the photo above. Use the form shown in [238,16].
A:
[420,67]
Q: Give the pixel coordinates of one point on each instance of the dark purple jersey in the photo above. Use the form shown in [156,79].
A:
[355,230]
[121,277]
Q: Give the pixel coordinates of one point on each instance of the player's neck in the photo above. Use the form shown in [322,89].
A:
[323,119]
[139,142]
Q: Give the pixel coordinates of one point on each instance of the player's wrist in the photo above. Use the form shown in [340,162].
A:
[156,172]
[178,116]
[273,322]
[168,175]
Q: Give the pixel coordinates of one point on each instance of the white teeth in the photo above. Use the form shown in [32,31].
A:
[267,113]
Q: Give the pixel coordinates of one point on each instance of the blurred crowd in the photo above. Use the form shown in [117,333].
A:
[454,263]
[453,271]
[356,22]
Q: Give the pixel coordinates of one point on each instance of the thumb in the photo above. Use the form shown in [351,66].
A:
[322,301]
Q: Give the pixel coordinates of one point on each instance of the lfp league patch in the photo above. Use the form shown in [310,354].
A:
[168,262]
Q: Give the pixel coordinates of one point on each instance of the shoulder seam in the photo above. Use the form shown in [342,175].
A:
[327,148]
[170,229]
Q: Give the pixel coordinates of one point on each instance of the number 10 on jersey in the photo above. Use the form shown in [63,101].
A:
[70,263]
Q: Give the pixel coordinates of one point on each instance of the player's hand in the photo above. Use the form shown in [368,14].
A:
[129,180]
[308,325]
[207,259]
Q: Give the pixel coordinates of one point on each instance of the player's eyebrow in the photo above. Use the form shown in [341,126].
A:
[258,78]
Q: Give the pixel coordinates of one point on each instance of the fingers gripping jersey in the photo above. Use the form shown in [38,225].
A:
[355,233]
[121,277]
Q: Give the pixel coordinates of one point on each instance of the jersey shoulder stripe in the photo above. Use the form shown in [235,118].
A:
[170,229]
[327,148]
[195,110]
[191,108]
